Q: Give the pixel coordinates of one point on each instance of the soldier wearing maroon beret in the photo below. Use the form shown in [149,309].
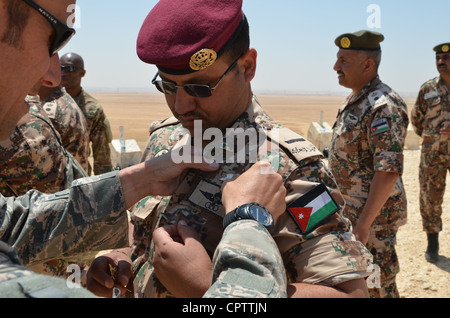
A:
[205,68]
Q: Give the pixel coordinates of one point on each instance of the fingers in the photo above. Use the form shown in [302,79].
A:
[99,280]
[187,233]
[107,272]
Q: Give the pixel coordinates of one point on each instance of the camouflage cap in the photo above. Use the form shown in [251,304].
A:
[362,40]
[442,48]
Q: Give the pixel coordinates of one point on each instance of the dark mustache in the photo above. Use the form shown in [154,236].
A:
[190,114]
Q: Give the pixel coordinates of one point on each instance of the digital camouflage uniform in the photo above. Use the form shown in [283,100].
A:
[368,136]
[100,134]
[247,264]
[326,256]
[69,121]
[32,157]
[89,216]
[431,111]
[73,224]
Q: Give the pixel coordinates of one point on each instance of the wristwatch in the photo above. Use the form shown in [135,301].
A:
[249,211]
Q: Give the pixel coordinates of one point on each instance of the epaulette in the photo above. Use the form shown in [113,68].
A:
[377,99]
[293,144]
[163,123]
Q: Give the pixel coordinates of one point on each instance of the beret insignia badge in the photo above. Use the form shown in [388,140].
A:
[345,42]
[202,59]
[445,48]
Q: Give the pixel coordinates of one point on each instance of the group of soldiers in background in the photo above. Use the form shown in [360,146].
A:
[366,157]
[64,124]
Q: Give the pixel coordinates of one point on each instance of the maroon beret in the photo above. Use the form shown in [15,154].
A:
[183,36]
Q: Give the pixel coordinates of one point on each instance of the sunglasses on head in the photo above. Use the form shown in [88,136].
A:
[69,68]
[62,32]
[195,90]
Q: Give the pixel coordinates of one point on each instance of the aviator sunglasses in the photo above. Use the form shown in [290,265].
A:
[195,90]
[69,68]
[62,32]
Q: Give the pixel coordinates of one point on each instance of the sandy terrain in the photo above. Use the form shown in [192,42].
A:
[417,278]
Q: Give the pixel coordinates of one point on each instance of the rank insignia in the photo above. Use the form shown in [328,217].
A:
[345,42]
[312,208]
[445,48]
[208,195]
[202,59]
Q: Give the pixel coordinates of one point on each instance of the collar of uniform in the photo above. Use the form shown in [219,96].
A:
[441,85]
[363,93]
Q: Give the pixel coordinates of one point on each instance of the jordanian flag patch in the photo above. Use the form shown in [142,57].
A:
[380,126]
[312,208]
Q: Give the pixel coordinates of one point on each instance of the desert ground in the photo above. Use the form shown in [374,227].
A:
[417,278]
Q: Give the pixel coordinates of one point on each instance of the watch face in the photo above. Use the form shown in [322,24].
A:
[260,215]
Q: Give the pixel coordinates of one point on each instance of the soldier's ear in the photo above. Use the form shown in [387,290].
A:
[83,72]
[248,61]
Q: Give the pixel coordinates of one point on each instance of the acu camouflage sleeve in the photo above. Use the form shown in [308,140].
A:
[247,264]
[72,224]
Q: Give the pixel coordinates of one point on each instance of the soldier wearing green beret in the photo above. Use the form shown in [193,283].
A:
[366,153]
[431,120]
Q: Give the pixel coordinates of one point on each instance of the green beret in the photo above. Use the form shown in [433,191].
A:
[362,40]
[442,48]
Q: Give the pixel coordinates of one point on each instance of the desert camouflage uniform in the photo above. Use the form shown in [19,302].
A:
[32,157]
[368,136]
[72,224]
[198,202]
[432,109]
[247,264]
[69,121]
[100,134]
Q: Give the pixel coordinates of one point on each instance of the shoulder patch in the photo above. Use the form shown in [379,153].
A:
[293,143]
[377,99]
[431,95]
[163,123]
[380,126]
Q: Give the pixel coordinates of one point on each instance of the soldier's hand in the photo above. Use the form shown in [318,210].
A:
[260,184]
[181,262]
[112,270]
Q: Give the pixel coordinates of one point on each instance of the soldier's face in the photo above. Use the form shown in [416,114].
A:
[27,61]
[350,68]
[227,102]
[443,63]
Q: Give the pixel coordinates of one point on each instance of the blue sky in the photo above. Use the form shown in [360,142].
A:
[294,40]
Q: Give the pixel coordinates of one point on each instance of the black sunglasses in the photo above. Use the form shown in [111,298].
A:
[69,68]
[63,33]
[195,90]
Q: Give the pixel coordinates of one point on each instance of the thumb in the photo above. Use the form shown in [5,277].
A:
[204,166]
[187,233]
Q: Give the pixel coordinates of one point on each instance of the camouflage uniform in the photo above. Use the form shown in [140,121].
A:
[90,216]
[198,202]
[247,264]
[32,157]
[71,124]
[99,132]
[17,281]
[431,110]
[368,136]
[72,224]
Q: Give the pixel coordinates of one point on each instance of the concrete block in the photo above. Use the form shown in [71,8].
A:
[412,141]
[131,156]
[320,135]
